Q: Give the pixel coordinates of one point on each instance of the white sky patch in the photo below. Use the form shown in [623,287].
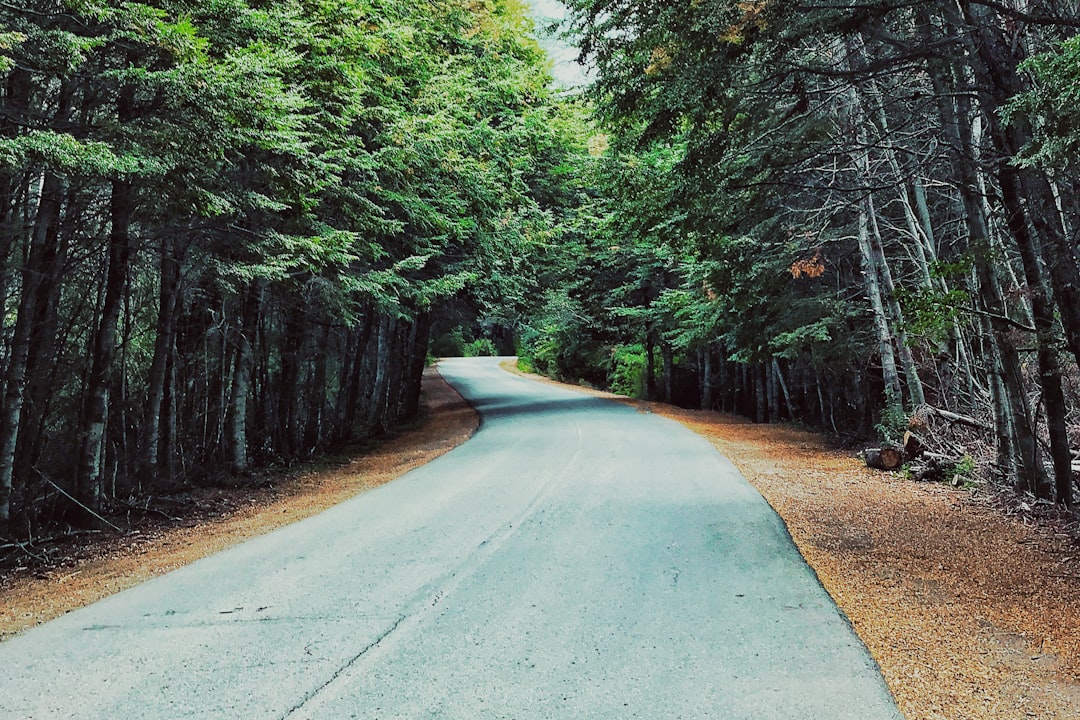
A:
[566,70]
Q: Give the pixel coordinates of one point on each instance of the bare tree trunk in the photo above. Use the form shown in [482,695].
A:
[313,430]
[761,407]
[88,488]
[236,436]
[350,392]
[417,359]
[168,302]
[288,430]
[650,366]
[1047,339]
[1020,445]
[42,246]
[706,378]
[896,319]
[893,393]
[377,408]
[41,373]
[783,389]
[667,357]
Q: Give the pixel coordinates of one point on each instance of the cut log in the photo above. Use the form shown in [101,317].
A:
[884,458]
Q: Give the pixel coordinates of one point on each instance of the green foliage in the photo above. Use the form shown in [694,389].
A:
[320,173]
[1052,106]
[931,313]
[451,344]
[628,371]
[481,347]
[963,473]
[525,364]
[893,422]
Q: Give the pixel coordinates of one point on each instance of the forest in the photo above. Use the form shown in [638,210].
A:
[233,233]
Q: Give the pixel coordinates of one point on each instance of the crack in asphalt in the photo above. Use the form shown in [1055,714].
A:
[337,673]
[431,595]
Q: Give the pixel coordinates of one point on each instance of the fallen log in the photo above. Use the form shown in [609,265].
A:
[956,418]
[884,458]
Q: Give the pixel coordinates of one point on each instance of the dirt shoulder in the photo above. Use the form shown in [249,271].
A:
[90,568]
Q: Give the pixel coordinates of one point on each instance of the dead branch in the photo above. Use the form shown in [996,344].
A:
[956,417]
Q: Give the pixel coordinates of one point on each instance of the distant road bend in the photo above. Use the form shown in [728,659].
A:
[575,559]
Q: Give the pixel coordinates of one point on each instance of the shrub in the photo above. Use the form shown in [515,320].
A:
[481,347]
[628,371]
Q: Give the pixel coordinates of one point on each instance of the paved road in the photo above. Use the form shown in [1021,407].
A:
[576,559]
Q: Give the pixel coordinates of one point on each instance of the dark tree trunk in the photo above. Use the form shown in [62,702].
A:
[706,378]
[417,360]
[761,407]
[42,248]
[377,406]
[1047,340]
[168,304]
[41,358]
[313,430]
[288,430]
[351,390]
[236,435]
[667,357]
[394,373]
[88,474]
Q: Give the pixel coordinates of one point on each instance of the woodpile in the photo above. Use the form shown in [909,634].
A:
[929,451]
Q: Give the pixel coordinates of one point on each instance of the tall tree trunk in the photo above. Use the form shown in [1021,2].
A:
[236,436]
[650,366]
[995,61]
[871,278]
[289,390]
[377,407]
[667,357]
[1046,337]
[313,429]
[88,488]
[954,110]
[896,315]
[350,392]
[42,245]
[168,303]
[706,378]
[395,359]
[1031,221]
[417,360]
[40,374]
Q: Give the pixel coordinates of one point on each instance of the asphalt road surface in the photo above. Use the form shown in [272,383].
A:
[575,559]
